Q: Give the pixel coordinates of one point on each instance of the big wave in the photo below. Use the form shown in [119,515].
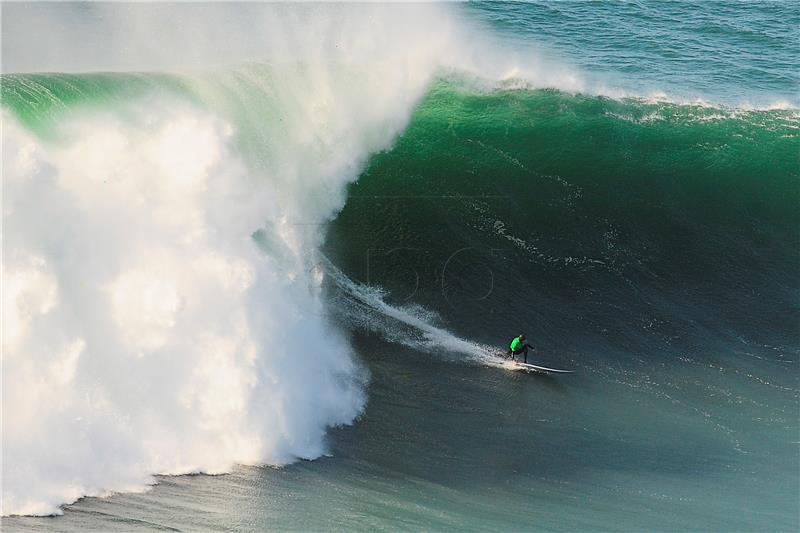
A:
[162,308]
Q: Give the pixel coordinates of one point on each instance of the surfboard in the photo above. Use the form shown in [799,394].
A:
[535,368]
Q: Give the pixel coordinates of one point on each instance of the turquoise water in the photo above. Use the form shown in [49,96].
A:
[648,241]
[736,52]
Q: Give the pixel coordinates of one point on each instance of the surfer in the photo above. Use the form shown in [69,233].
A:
[519,346]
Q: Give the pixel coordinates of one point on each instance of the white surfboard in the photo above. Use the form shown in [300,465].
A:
[536,368]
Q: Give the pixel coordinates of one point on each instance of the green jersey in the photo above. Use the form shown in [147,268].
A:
[516,344]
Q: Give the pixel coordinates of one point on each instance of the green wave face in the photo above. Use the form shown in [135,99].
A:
[605,214]
[612,213]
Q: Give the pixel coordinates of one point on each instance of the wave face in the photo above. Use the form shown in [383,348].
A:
[632,228]
[164,298]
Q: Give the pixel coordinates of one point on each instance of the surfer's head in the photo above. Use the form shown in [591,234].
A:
[521,337]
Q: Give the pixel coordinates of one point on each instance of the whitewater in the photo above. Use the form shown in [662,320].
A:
[168,193]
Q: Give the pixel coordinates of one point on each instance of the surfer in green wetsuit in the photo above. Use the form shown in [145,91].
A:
[519,346]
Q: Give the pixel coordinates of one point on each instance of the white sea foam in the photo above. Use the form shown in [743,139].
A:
[366,308]
[143,332]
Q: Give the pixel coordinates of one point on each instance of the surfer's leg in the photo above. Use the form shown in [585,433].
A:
[525,351]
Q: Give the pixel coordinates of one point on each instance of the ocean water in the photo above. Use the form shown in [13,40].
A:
[260,264]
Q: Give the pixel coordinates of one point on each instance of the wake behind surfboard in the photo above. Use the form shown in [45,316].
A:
[526,367]
[500,361]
